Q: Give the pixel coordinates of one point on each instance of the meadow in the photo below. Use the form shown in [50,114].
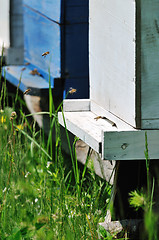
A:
[46,194]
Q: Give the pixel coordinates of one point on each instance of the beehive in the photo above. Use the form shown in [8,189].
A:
[60,28]
[123,63]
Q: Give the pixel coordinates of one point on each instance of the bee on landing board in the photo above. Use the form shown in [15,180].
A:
[35,72]
[27,63]
[108,120]
[27,91]
[45,54]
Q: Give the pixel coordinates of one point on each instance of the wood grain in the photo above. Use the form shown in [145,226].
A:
[130,145]
[41,35]
[112,57]
[149,64]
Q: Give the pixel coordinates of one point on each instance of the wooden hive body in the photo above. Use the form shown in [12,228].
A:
[60,28]
[123,65]
[125,80]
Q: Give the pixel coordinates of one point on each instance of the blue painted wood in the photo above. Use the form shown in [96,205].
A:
[76,42]
[76,64]
[49,8]
[76,11]
[41,35]
[60,27]
[76,50]
[15,74]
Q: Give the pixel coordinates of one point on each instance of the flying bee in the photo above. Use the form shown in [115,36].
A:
[45,54]
[72,90]
[27,91]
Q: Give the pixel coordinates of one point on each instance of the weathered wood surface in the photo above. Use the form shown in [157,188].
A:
[41,35]
[100,111]
[130,145]
[149,64]
[75,11]
[76,105]
[87,129]
[112,57]
[49,8]
[17,75]
[119,142]
[126,42]
[61,29]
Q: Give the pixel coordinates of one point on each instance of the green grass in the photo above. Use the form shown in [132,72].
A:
[44,195]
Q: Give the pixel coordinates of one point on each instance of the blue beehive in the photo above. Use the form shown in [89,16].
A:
[60,27]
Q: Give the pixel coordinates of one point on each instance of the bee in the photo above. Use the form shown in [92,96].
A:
[99,117]
[72,90]
[34,72]
[27,63]
[27,91]
[108,120]
[23,69]
[45,54]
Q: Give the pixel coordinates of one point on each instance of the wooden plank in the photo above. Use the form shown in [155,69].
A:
[15,55]
[76,105]
[149,64]
[41,35]
[49,8]
[16,24]
[150,123]
[87,128]
[112,40]
[130,145]
[76,11]
[99,111]
[76,43]
[78,123]
[76,70]
[15,74]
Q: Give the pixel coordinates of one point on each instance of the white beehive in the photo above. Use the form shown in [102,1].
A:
[4,24]
[124,81]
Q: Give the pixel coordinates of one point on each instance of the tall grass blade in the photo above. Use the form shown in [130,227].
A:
[31,139]
[17,90]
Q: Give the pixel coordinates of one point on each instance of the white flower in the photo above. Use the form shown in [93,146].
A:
[4,190]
